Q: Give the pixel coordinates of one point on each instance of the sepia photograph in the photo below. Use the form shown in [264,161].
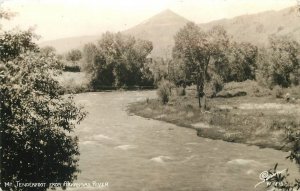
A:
[150,95]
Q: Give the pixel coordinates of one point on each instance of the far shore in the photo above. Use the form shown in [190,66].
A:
[250,120]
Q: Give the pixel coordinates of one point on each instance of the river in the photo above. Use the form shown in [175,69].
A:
[131,153]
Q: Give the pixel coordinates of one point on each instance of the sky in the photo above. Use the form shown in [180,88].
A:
[54,19]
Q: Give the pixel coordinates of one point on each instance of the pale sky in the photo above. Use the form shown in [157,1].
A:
[55,19]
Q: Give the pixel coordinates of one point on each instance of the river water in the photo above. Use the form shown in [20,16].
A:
[133,153]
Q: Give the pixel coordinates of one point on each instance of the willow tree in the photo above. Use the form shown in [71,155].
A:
[198,49]
[118,61]
[279,64]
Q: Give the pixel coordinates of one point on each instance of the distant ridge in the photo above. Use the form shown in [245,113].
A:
[256,28]
[63,45]
[161,28]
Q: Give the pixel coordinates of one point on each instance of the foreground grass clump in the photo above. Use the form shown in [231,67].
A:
[164,91]
[254,119]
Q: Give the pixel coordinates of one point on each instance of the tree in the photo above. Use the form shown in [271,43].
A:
[198,50]
[176,73]
[14,43]
[89,53]
[279,64]
[159,67]
[48,50]
[241,63]
[36,121]
[120,62]
[74,55]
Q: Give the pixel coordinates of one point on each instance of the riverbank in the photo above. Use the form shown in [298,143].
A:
[259,121]
[134,153]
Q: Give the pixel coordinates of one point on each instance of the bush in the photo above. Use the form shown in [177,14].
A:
[72,69]
[279,180]
[229,94]
[295,78]
[248,87]
[294,91]
[74,55]
[180,91]
[164,91]
[75,89]
[214,86]
[278,92]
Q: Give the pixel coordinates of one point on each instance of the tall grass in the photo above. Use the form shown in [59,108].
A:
[164,91]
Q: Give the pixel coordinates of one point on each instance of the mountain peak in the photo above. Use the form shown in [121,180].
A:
[168,12]
[167,16]
[160,30]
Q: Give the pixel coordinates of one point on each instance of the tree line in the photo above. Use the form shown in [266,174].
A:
[211,58]
[207,59]
[118,61]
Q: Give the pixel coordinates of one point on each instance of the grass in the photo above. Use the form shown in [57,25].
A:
[256,119]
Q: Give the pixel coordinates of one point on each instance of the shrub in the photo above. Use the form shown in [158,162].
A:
[295,78]
[283,124]
[214,86]
[294,91]
[72,69]
[180,91]
[74,55]
[278,92]
[279,180]
[249,87]
[75,89]
[164,91]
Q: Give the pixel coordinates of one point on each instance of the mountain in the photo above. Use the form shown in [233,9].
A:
[160,30]
[256,28]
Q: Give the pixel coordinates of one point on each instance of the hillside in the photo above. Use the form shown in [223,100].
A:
[161,28]
[65,44]
[256,28]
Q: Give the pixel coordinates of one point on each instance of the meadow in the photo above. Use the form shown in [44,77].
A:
[258,118]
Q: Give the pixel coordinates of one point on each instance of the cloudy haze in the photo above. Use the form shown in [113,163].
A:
[54,19]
